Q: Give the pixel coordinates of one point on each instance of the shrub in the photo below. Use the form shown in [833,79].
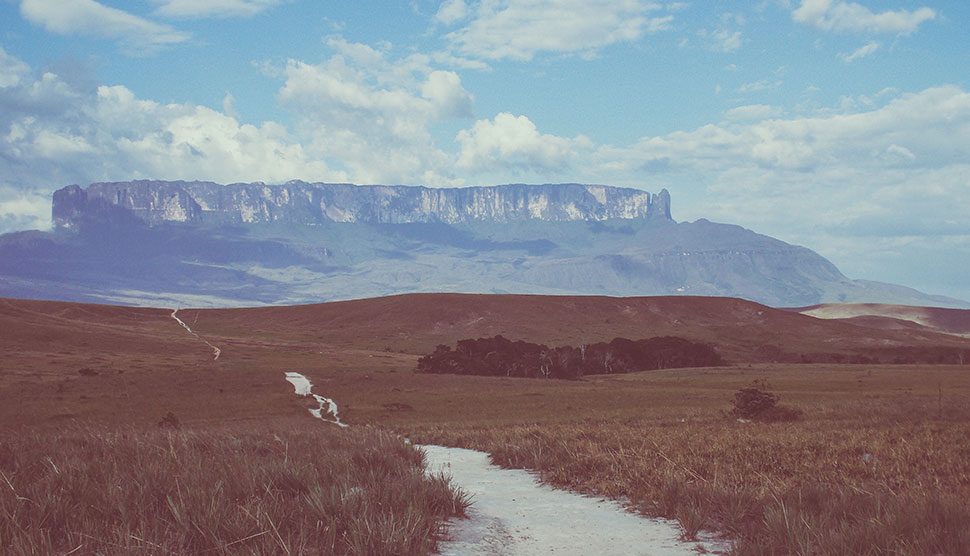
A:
[760,405]
[170,421]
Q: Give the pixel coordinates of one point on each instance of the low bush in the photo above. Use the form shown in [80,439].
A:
[755,404]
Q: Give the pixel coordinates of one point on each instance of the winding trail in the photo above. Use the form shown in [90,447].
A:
[215,351]
[304,388]
[513,514]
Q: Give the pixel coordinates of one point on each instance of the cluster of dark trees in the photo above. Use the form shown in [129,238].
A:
[500,356]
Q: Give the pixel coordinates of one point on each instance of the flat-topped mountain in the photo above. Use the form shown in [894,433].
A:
[297,202]
[205,244]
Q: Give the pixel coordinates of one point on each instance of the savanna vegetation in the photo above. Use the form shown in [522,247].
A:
[870,458]
[306,488]
[871,462]
[500,356]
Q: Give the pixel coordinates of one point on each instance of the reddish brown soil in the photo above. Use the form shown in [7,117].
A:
[416,323]
[66,361]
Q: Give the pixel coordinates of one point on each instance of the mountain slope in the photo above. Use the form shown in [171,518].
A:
[203,244]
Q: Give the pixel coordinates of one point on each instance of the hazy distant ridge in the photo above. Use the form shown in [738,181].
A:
[201,243]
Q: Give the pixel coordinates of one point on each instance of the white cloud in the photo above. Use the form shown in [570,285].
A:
[859,53]
[725,37]
[363,117]
[229,105]
[89,18]
[752,112]
[889,165]
[12,70]
[52,134]
[758,86]
[212,8]
[446,94]
[24,210]
[359,106]
[900,151]
[834,181]
[838,15]
[723,40]
[896,170]
[519,29]
[858,186]
[513,142]
[451,11]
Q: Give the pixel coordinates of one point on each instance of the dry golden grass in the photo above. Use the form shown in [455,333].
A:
[314,489]
[882,470]
[880,462]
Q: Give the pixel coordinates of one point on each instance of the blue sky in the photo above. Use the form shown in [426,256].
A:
[843,126]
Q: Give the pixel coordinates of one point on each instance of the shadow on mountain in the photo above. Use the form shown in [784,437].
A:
[450,236]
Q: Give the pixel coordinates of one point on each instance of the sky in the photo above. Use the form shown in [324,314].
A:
[841,126]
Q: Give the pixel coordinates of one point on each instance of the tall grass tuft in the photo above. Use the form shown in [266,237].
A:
[316,490]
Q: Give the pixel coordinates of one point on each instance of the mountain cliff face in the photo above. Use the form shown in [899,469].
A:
[204,244]
[298,202]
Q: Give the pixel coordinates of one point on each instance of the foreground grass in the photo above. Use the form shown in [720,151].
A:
[273,490]
[868,480]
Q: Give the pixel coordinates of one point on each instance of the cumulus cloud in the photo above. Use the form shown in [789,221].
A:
[135,34]
[838,15]
[857,185]
[212,8]
[53,134]
[451,11]
[890,166]
[752,112]
[724,40]
[932,125]
[725,37]
[114,135]
[902,165]
[513,142]
[362,116]
[12,70]
[519,29]
[24,210]
[759,85]
[361,105]
[859,53]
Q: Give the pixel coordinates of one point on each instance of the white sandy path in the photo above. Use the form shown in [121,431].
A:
[216,351]
[513,514]
[304,388]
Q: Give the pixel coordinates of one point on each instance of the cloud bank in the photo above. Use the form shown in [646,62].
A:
[135,34]
[849,17]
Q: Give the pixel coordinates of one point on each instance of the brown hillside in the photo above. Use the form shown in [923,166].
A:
[744,331]
[949,321]
[66,361]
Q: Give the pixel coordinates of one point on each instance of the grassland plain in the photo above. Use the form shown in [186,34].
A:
[880,462]
[256,488]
